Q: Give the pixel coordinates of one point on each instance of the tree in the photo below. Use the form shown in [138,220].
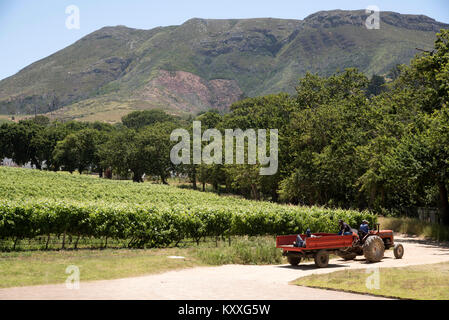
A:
[65,154]
[394,73]
[41,120]
[375,86]
[202,172]
[78,150]
[421,159]
[246,179]
[427,78]
[406,157]
[139,119]
[16,142]
[44,142]
[140,152]
[119,153]
[325,132]
[154,145]
[267,112]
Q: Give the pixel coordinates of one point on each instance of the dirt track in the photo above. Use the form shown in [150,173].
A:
[230,281]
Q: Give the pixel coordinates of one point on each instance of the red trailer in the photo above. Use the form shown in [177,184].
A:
[318,247]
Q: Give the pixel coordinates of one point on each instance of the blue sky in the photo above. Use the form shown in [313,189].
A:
[31,30]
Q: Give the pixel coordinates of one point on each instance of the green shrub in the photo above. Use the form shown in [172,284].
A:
[416,227]
[159,226]
[243,251]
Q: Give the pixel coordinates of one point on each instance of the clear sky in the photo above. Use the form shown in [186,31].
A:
[31,30]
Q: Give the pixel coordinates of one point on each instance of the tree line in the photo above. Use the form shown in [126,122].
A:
[344,141]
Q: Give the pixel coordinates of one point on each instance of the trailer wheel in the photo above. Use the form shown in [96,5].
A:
[293,260]
[322,259]
[398,251]
[373,249]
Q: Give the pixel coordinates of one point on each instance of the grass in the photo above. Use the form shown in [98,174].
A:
[243,250]
[26,268]
[415,227]
[425,282]
[37,267]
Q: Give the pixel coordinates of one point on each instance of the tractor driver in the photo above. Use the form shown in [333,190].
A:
[345,229]
[364,228]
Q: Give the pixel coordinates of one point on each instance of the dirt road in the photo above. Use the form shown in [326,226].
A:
[230,281]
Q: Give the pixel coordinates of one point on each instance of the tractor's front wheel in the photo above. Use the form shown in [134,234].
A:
[398,251]
[373,249]
[293,260]
[322,259]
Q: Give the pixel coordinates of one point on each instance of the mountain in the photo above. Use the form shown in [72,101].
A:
[205,64]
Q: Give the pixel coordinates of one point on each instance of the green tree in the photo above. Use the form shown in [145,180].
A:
[44,142]
[267,112]
[406,157]
[427,78]
[140,152]
[325,132]
[421,160]
[139,119]
[375,86]
[65,154]
[153,146]
[78,150]
[119,153]
[16,142]
[202,172]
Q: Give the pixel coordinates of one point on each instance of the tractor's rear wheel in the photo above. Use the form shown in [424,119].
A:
[293,260]
[322,259]
[373,249]
[398,251]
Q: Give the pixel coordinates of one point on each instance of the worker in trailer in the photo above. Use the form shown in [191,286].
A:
[299,242]
[345,229]
[309,234]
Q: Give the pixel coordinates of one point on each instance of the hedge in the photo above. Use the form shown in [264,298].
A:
[147,225]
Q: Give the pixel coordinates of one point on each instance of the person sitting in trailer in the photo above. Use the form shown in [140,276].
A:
[345,229]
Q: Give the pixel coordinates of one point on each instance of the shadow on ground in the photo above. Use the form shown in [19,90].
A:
[307,267]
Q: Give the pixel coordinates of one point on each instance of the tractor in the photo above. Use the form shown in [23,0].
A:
[372,245]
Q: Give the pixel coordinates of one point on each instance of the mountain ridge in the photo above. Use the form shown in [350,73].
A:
[207,63]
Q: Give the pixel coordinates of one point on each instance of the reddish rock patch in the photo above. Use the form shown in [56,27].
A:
[188,92]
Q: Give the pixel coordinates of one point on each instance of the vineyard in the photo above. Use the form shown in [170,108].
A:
[43,205]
